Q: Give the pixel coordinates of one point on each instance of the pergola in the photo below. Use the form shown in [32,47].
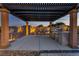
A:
[38,12]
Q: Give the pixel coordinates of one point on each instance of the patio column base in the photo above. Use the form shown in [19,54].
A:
[4,46]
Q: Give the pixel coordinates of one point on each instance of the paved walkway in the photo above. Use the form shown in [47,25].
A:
[39,43]
[36,43]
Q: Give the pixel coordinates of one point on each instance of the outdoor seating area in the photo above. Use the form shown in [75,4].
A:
[17,32]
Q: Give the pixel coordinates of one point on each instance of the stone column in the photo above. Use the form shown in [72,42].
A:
[27,28]
[4,41]
[73,28]
[50,29]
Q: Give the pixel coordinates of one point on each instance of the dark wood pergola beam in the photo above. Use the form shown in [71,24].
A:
[53,9]
[28,12]
[20,10]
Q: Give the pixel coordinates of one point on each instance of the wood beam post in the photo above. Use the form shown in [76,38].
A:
[73,28]
[4,41]
[50,28]
[27,30]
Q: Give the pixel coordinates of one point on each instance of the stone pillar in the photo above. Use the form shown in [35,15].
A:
[4,41]
[50,29]
[27,31]
[73,28]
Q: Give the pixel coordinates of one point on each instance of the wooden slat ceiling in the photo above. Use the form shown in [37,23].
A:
[39,11]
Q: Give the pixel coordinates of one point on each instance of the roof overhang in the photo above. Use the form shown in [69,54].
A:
[39,11]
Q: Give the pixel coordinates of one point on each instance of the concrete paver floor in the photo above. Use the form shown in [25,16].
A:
[39,43]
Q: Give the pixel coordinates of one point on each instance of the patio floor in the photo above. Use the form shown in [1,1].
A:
[36,43]
[40,43]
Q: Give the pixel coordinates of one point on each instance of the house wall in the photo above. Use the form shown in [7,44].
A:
[14,34]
